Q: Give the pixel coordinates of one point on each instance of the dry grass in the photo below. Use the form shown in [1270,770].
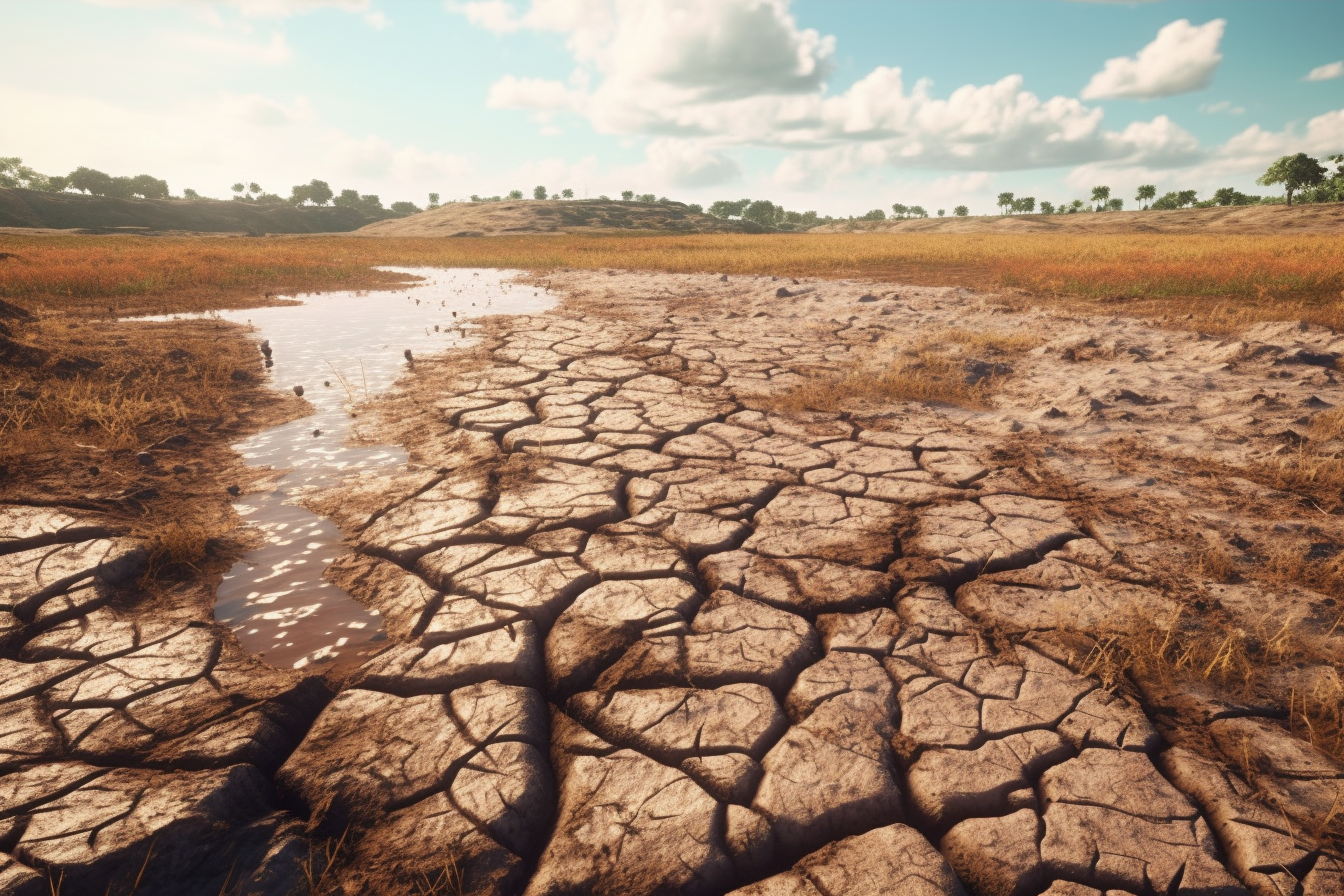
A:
[1239,660]
[932,368]
[1328,425]
[71,436]
[1217,283]
[1305,471]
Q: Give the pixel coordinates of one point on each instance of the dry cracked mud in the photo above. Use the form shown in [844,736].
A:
[648,636]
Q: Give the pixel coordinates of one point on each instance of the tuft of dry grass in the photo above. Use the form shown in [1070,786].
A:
[1328,425]
[932,368]
[1214,282]
[1304,471]
[1240,660]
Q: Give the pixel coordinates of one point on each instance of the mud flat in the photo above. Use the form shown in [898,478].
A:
[649,634]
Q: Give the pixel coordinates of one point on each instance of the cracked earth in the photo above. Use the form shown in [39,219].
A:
[647,635]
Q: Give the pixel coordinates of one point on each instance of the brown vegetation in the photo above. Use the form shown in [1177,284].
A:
[954,366]
[1217,283]
[133,421]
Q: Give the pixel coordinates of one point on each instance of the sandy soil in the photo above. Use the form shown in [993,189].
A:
[1260,219]
[546,216]
[651,634]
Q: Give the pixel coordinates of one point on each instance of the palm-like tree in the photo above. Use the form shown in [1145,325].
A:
[1101,195]
[1145,194]
[1005,202]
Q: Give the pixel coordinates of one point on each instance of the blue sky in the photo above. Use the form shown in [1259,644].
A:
[834,105]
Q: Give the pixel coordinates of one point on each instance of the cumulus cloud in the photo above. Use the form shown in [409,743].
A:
[539,95]
[691,164]
[1326,72]
[703,76]
[212,141]
[1182,58]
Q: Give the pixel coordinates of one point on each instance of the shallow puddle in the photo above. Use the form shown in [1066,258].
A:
[341,348]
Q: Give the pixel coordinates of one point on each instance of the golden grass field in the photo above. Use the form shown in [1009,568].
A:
[1214,282]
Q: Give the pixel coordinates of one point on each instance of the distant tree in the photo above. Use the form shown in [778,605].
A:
[1100,196]
[941,212]
[515,194]
[90,180]
[1005,202]
[1025,204]
[404,208]
[189,193]
[238,187]
[1047,207]
[567,193]
[1075,206]
[646,197]
[539,192]
[1330,189]
[1175,200]
[875,215]
[697,208]
[146,187]
[961,211]
[763,212]
[1230,196]
[627,195]
[13,173]
[433,200]
[898,210]
[255,187]
[319,192]
[1145,194]
[1294,172]
[298,194]
[1116,205]
[348,199]
[605,198]
[918,211]
[727,208]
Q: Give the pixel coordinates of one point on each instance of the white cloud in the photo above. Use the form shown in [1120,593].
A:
[210,142]
[700,76]
[539,95]
[1238,161]
[1326,72]
[1182,58]
[274,52]
[683,163]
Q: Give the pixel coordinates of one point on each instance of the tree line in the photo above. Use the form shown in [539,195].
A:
[16,175]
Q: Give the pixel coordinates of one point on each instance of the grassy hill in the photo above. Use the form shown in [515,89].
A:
[1265,220]
[102,214]
[554,216]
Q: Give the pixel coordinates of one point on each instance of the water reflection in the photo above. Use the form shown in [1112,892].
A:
[340,347]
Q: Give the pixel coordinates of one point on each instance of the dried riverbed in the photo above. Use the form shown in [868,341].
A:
[650,635]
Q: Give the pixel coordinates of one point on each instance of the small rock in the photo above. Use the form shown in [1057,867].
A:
[316,433]
[145,459]
[179,468]
[266,348]
[234,490]
[782,293]
[868,298]
[94,471]
[723,278]
[409,360]
[269,363]
[298,390]
[327,383]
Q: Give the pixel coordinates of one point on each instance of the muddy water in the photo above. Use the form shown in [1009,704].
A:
[341,348]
